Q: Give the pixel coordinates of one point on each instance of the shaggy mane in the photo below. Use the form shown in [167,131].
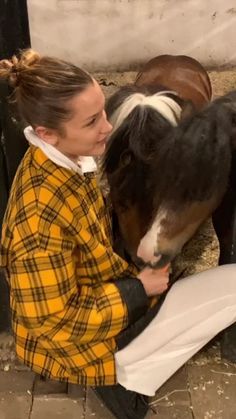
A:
[146,156]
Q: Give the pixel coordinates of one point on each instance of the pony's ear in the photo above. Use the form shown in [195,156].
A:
[188,110]
[233,136]
[126,158]
[228,102]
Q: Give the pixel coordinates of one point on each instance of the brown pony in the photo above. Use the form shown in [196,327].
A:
[180,73]
[170,160]
[158,176]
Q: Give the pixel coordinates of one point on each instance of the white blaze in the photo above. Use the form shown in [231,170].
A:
[148,245]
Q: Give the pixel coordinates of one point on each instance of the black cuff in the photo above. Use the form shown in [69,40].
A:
[134,296]
[132,331]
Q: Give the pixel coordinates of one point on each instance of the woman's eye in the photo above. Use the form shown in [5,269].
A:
[92,122]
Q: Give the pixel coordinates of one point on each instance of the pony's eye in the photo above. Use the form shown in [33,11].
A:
[126,158]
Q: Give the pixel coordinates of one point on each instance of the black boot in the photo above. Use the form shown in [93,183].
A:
[124,404]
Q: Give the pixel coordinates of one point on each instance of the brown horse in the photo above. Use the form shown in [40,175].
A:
[170,160]
[180,73]
[143,149]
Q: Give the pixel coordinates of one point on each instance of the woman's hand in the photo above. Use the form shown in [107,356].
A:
[155,281]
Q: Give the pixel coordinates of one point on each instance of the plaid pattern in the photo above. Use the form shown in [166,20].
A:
[57,252]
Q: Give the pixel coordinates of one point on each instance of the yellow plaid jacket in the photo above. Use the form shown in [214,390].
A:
[70,293]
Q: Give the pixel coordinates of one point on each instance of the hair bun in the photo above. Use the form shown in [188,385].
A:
[11,69]
[28,58]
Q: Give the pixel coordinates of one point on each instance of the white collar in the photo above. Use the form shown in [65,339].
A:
[85,163]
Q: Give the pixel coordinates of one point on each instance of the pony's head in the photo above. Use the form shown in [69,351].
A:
[166,173]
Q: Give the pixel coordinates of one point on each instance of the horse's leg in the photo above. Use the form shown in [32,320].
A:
[224,220]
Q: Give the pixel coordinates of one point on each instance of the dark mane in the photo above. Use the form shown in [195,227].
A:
[178,164]
[126,136]
[131,149]
[199,156]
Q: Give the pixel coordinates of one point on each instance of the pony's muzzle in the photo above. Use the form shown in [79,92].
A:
[162,260]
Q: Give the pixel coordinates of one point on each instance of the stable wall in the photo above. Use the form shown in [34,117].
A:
[119,34]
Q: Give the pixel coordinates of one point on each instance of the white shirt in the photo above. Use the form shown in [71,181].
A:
[85,163]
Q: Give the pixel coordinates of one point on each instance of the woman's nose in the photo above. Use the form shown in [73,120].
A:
[107,126]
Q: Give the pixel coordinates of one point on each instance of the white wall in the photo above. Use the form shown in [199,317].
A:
[118,34]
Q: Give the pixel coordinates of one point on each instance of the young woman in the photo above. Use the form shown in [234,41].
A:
[75,303]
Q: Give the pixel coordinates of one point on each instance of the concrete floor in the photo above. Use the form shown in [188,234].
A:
[204,388]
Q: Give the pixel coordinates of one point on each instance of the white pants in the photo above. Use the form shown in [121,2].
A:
[195,310]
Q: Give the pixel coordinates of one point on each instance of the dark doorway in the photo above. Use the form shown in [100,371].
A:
[14,35]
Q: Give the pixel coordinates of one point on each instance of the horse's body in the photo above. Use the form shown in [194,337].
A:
[168,166]
[181,74]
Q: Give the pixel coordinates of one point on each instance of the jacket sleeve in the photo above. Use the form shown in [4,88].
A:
[51,303]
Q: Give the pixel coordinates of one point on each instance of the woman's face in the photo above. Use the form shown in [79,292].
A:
[85,134]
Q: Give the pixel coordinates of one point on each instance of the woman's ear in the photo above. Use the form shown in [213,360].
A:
[48,135]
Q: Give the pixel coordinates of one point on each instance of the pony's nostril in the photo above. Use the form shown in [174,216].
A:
[162,261]
[139,262]
[159,262]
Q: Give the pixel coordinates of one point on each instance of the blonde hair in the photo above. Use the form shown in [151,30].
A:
[42,86]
